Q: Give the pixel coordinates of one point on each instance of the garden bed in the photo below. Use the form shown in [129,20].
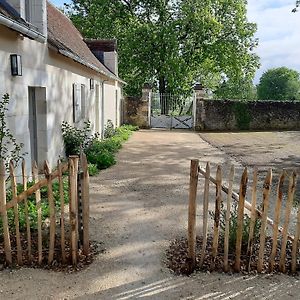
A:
[177,257]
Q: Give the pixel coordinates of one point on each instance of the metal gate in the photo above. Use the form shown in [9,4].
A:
[171,111]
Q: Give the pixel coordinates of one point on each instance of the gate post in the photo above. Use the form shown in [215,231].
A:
[146,100]
[198,107]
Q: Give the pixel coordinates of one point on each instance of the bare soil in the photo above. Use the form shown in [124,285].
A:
[137,208]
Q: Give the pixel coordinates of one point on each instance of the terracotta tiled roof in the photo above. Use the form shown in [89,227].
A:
[63,35]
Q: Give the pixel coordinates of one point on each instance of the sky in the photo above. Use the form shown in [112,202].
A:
[278,31]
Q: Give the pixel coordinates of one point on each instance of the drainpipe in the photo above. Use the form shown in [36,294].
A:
[102,111]
[31,33]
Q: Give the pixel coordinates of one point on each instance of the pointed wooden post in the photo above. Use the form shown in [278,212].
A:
[262,239]
[51,212]
[227,220]
[295,245]
[276,220]
[217,216]
[39,213]
[3,213]
[62,212]
[205,213]
[85,204]
[253,217]
[73,207]
[240,220]
[289,204]
[192,214]
[16,212]
[26,211]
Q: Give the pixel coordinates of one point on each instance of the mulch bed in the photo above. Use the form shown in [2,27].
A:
[177,259]
[57,264]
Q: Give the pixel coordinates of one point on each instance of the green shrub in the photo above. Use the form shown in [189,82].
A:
[93,170]
[102,153]
[233,228]
[102,160]
[76,139]
[109,129]
[10,149]
[31,202]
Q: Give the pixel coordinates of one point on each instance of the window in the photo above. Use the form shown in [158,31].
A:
[27,10]
[79,98]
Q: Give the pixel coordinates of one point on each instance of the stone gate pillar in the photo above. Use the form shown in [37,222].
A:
[146,104]
[137,110]
[199,111]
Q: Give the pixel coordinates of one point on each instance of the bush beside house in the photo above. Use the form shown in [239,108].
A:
[100,153]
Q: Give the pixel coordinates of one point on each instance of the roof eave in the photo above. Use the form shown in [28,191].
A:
[18,27]
[82,62]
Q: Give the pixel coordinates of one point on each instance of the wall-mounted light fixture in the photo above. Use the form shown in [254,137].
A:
[16,65]
[92,84]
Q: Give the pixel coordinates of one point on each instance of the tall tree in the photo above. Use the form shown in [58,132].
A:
[279,84]
[240,89]
[172,43]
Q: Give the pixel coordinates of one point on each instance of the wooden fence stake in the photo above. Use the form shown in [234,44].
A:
[276,220]
[73,208]
[248,205]
[192,215]
[205,213]
[51,212]
[266,196]
[16,212]
[240,220]
[39,213]
[26,210]
[62,212]
[3,213]
[253,217]
[296,243]
[86,204]
[217,216]
[289,204]
[227,220]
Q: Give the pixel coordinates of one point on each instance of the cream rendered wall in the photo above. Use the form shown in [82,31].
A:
[112,103]
[46,68]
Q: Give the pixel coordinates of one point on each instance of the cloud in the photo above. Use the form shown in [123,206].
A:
[278,33]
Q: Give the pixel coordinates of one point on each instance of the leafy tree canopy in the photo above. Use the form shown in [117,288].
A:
[240,89]
[279,84]
[172,43]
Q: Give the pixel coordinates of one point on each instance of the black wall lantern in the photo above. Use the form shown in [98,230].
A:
[16,65]
[92,84]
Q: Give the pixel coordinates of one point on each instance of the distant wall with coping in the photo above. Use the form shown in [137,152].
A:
[226,115]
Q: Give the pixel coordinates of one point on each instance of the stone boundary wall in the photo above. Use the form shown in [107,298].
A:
[226,115]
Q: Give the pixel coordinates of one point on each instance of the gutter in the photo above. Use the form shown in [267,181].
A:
[16,26]
[91,66]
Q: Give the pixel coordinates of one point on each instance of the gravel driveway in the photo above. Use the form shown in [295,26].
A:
[137,207]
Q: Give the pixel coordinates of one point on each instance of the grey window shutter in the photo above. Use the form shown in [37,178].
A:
[83,102]
[76,102]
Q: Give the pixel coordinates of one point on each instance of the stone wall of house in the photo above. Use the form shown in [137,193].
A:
[229,115]
[136,111]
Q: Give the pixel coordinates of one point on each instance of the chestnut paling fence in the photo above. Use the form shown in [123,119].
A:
[67,228]
[280,236]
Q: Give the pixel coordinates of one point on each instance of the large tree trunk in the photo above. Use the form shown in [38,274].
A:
[164,99]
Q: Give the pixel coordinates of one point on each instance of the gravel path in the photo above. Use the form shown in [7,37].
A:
[137,207]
